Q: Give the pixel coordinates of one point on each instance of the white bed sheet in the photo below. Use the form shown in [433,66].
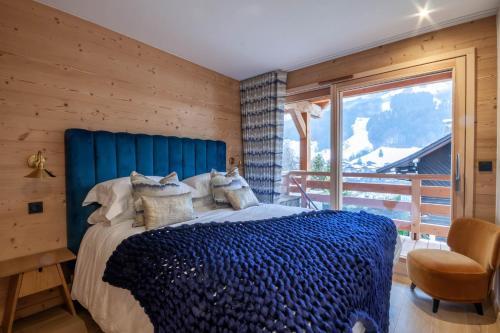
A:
[115,309]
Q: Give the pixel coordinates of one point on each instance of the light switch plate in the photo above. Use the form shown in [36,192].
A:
[485,166]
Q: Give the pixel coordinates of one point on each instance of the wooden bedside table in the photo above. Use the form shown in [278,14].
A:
[32,274]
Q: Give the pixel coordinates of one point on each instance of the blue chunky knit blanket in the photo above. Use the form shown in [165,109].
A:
[312,272]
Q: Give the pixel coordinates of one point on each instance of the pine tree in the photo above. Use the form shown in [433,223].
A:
[318,165]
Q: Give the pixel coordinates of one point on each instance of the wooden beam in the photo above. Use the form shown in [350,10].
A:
[311,95]
[409,176]
[377,188]
[426,191]
[300,125]
[436,209]
[436,191]
[305,106]
[337,80]
[377,203]
[322,103]
[305,143]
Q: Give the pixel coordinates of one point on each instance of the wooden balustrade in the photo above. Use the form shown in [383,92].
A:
[411,187]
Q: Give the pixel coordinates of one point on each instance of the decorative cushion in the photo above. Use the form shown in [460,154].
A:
[242,198]
[204,203]
[201,185]
[220,183]
[144,186]
[166,210]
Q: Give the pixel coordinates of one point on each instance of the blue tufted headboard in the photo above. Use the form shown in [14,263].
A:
[96,156]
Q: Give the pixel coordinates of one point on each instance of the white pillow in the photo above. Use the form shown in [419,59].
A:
[113,195]
[99,216]
[200,183]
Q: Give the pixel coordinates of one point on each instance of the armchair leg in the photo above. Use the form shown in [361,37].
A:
[413,286]
[479,308]
[435,305]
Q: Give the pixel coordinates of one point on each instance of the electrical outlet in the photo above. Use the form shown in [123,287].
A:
[35,207]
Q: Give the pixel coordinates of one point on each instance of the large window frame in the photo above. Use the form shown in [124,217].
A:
[462,66]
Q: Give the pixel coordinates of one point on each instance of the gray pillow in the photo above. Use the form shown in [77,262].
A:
[242,198]
[171,209]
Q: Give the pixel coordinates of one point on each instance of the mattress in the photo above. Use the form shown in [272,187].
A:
[115,309]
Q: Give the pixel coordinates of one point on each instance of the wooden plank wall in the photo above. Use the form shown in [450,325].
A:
[479,34]
[58,71]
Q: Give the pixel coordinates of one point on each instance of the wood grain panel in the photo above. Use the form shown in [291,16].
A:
[36,280]
[58,71]
[481,35]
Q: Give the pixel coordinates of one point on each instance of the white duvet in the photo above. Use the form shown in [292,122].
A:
[115,309]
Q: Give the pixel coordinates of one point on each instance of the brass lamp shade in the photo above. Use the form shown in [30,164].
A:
[40,173]
[37,162]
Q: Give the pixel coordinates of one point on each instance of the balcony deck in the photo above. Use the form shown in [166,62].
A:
[400,272]
[411,244]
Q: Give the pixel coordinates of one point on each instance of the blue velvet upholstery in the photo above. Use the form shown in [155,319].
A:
[96,156]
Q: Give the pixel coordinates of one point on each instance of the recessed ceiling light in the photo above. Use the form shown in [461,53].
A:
[424,12]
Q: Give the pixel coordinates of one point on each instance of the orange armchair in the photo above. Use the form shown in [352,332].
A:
[463,274]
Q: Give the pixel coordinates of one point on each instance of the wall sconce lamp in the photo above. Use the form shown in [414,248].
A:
[232,162]
[37,162]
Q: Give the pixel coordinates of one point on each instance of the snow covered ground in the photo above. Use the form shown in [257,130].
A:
[374,158]
[354,147]
[386,155]
[359,140]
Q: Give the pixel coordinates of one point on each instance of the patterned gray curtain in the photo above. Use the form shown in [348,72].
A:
[262,116]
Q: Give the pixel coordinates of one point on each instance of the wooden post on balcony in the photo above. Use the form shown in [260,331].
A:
[416,214]
[303,184]
[305,142]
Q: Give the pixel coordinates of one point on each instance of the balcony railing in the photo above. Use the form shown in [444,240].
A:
[409,185]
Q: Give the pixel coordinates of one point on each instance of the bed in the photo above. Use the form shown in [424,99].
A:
[93,157]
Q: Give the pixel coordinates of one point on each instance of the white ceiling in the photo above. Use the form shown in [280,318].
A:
[243,38]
